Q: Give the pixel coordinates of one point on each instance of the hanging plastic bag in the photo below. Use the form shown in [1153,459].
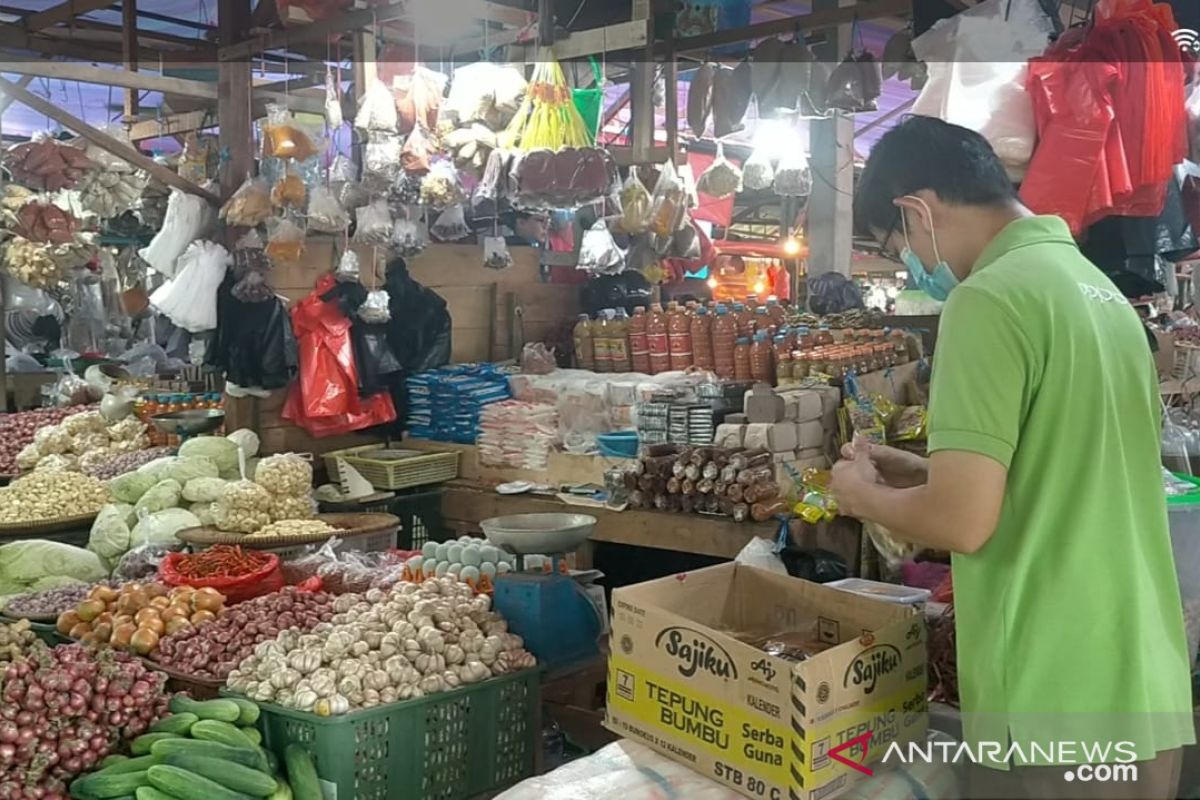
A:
[495,253]
[375,307]
[325,213]
[598,251]
[635,205]
[792,179]
[198,154]
[418,97]
[374,224]
[347,269]
[451,225]
[722,178]
[405,191]
[409,237]
[283,137]
[285,241]
[253,288]
[589,102]
[250,205]
[414,157]
[381,157]
[190,299]
[440,189]
[377,109]
[493,185]
[289,192]
[333,101]
[758,173]
[188,218]
[668,203]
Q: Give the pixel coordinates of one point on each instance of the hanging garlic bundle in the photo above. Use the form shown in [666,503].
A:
[383,647]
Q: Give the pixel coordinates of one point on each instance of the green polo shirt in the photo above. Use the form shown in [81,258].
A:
[1069,619]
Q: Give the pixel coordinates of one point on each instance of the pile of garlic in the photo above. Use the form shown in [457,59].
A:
[83,439]
[384,647]
[51,494]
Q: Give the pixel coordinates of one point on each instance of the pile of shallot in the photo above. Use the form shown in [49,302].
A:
[63,710]
[215,649]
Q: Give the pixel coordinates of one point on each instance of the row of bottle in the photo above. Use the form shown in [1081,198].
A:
[736,344]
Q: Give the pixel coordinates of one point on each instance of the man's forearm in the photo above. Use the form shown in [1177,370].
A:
[906,515]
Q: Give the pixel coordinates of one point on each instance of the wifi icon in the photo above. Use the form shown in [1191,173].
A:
[1188,40]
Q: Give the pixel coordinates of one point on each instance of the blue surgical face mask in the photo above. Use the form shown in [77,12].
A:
[937,282]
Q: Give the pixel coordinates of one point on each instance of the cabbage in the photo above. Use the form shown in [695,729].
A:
[160,528]
[163,495]
[222,451]
[247,440]
[109,537]
[28,561]
[130,487]
[203,490]
[205,513]
[157,469]
[190,468]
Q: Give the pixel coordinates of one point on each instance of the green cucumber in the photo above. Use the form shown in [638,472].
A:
[111,759]
[178,724]
[99,786]
[282,790]
[142,744]
[231,776]
[188,785]
[249,709]
[302,773]
[247,756]
[212,730]
[223,710]
[150,793]
[251,733]
[130,765]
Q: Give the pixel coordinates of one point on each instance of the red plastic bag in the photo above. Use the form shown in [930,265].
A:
[236,590]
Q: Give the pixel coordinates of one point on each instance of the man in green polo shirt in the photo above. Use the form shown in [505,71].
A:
[1043,480]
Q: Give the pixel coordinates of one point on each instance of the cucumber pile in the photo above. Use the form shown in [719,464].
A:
[205,750]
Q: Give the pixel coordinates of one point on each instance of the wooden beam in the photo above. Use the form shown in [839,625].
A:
[545,17]
[62,13]
[7,100]
[611,38]
[103,140]
[825,18]
[129,34]
[233,105]
[171,125]
[343,23]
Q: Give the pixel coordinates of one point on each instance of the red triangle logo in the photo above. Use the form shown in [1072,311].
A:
[864,741]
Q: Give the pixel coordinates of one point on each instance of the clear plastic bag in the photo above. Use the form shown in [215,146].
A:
[381,157]
[405,190]
[409,237]
[250,240]
[495,253]
[758,173]
[668,203]
[347,269]
[722,178]
[493,185]
[376,109]
[376,307]
[440,189]
[325,213]
[599,253]
[792,178]
[341,170]
[635,205]
[374,223]
[451,225]
[253,288]
[289,192]
[283,137]
[190,299]
[333,103]
[417,150]
[285,241]
[418,98]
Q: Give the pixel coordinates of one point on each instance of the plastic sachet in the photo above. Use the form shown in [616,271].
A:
[285,241]
[325,213]
[451,225]
[377,109]
[375,307]
[374,223]
[347,269]
[333,102]
[722,178]
[409,237]
[598,251]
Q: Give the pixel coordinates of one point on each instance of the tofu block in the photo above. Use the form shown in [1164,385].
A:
[736,419]
[809,435]
[802,405]
[778,437]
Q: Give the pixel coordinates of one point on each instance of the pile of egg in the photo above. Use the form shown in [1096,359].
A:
[469,558]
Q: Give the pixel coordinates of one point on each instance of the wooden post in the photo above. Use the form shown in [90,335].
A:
[671,120]
[233,98]
[641,89]
[545,10]
[129,25]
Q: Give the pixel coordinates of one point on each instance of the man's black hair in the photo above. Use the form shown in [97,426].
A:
[927,153]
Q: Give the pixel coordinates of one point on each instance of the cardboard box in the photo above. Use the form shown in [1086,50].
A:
[680,681]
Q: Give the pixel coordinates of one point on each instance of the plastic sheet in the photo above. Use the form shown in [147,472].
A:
[188,218]
[190,299]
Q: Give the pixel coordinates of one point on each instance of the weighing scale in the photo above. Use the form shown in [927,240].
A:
[189,423]
[560,617]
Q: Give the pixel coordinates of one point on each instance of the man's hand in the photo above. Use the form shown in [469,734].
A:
[897,468]
[851,478]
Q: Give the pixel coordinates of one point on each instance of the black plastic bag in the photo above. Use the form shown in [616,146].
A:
[254,344]
[373,357]
[419,331]
[817,565]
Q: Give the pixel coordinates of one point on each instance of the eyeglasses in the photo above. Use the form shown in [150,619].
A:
[884,252]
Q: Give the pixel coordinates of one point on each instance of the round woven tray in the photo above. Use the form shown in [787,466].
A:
[199,688]
[22,530]
[348,525]
[42,619]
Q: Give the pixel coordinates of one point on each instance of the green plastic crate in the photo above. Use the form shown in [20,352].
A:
[448,746]
[419,510]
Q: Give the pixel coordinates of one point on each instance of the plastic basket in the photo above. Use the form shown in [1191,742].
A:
[390,474]
[420,514]
[448,746]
